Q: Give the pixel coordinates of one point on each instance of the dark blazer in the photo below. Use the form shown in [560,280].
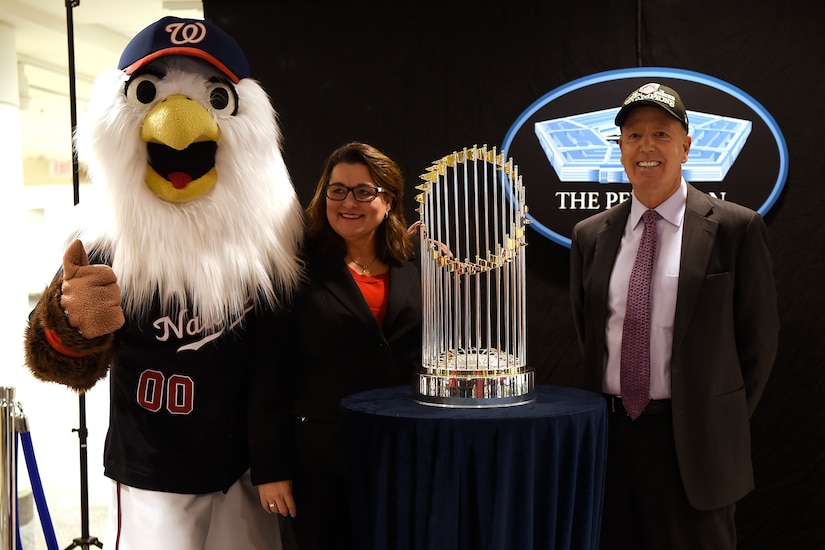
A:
[337,349]
[724,335]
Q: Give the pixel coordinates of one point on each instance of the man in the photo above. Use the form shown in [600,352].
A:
[680,405]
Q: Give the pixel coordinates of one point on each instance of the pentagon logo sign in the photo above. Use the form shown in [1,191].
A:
[568,156]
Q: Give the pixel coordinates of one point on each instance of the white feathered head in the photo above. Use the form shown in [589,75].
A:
[192,202]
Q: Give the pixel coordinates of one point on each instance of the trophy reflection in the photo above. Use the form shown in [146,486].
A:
[472,238]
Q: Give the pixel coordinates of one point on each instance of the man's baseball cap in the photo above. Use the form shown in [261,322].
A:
[191,37]
[657,95]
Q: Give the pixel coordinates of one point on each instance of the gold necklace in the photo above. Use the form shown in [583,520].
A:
[365,269]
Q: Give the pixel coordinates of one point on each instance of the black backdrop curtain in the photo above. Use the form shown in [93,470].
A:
[422,79]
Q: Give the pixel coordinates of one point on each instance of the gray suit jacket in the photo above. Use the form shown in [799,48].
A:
[725,334]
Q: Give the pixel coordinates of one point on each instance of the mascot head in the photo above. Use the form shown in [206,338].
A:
[191,201]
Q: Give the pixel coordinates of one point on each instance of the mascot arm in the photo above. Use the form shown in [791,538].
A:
[272,383]
[69,335]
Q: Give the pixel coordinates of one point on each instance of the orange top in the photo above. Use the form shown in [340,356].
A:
[376,291]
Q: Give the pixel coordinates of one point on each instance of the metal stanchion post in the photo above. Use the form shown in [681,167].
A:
[8,483]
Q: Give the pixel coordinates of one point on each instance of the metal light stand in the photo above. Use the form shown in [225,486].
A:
[85,540]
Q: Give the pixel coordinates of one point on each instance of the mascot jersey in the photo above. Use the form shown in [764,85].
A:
[178,418]
[185,254]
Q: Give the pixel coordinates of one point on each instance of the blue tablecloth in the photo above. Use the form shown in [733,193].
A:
[522,477]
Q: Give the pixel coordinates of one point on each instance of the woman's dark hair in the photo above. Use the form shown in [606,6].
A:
[392,242]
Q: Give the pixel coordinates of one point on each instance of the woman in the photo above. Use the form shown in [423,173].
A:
[357,326]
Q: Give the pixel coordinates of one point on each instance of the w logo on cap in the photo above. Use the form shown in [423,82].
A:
[186,33]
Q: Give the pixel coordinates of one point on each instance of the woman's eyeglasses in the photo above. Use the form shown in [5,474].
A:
[362,193]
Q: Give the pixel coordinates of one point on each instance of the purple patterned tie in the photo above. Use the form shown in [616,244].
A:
[635,370]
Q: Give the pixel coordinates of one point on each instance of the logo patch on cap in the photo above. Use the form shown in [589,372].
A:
[186,33]
[657,95]
[652,92]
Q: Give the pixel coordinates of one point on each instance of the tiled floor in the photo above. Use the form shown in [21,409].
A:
[53,412]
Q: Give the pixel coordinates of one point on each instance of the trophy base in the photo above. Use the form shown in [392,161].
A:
[473,390]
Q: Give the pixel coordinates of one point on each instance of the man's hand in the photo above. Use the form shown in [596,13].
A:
[90,294]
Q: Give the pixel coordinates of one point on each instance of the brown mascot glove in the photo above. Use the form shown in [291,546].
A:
[90,294]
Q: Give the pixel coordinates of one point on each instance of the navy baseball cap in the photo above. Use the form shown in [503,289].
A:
[191,37]
[657,95]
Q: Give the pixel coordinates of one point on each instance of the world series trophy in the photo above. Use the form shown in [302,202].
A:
[472,238]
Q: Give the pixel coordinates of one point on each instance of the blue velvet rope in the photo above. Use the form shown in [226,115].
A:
[39,496]
[19,540]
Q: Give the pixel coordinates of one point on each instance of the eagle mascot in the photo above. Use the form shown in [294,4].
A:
[174,285]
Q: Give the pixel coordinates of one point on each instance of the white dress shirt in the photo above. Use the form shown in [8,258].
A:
[665,281]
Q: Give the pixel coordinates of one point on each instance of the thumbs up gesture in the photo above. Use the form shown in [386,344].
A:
[91,295]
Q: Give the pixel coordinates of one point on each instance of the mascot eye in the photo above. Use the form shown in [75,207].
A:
[142,89]
[223,99]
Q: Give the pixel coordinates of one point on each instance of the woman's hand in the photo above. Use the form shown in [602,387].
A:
[276,498]
[415,229]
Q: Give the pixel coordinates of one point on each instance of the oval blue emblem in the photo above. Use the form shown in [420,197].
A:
[564,145]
